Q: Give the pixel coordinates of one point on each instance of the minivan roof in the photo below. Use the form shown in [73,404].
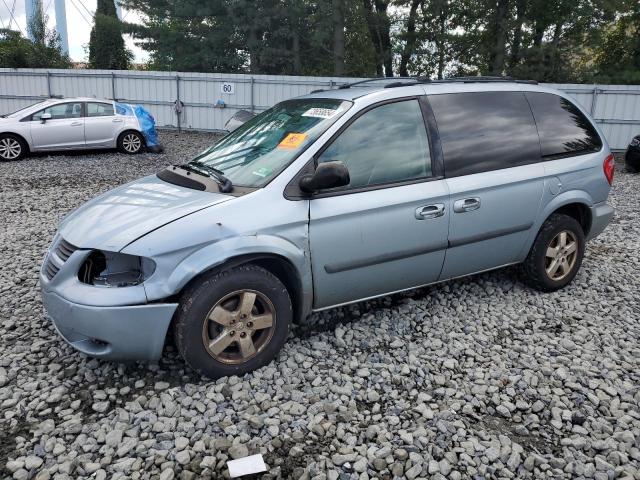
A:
[401,85]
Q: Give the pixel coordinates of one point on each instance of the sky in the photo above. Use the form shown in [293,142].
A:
[79,22]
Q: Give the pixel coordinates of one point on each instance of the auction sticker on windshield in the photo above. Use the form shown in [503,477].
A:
[319,113]
[292,140]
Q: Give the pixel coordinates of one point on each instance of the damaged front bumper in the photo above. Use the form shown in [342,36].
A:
[113,323]
[135,332]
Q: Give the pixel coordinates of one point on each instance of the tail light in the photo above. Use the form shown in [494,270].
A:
[609,167]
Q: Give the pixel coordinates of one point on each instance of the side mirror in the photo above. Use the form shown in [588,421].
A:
[44,117]
[327,175]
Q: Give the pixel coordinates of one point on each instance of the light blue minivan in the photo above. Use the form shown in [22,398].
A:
[324,200]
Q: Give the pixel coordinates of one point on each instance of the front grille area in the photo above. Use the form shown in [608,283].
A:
[50,269]
[62,250]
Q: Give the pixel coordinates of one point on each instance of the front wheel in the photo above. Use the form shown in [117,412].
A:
[233,322]
[556,255]
[12,147]
[130,142]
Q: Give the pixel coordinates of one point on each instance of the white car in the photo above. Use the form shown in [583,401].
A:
[70,124]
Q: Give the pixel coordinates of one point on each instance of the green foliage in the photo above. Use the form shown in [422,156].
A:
[545,40]
[616,57]
[19,52]
[106,45]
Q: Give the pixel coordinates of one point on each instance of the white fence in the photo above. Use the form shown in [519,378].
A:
[616,108]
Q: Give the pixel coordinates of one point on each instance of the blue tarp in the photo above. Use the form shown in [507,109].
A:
[146,121]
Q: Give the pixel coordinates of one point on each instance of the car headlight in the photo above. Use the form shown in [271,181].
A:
[112,269]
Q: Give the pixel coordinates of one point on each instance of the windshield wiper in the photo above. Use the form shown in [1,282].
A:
[218,175]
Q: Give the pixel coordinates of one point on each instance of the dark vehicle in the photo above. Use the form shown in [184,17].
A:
[632,157]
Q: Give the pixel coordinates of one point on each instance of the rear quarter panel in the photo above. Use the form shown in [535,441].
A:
[578,179]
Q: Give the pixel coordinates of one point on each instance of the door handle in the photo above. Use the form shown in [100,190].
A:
[466,205]
[117,120]
[430,211]
[76,124]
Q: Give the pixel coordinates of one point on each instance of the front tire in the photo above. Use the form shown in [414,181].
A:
[233,322]
[12,147]
[130,142]
[556,254]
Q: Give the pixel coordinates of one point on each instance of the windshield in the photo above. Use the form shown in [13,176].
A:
[17,112]
[260,149]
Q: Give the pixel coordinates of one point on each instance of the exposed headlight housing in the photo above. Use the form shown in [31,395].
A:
[112,269]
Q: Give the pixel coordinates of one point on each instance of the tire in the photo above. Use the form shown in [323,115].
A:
[546,272]
[130,142]
[12,147]
[235,299]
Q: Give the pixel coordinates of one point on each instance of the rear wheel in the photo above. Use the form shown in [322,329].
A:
[556,255]
[233,322]
[130,142]
[12,147]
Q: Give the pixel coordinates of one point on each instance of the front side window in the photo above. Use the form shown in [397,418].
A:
[563,129]
[60,111]
[483,131]
[386,144]
[99,110]
[260,149]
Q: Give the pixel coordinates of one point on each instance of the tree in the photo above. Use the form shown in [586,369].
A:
[379,24]
[338,37]
[19,52]
[615,56]
[106,45]
[44,51]
[410,37]
[545,40]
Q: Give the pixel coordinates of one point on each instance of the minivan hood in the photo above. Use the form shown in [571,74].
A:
[124,214]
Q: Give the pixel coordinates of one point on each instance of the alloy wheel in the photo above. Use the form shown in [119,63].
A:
[561,255]
[239,326]
[131,143]
[10,148]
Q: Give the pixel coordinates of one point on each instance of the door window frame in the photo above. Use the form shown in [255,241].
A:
[83,111]
[292,190]
[86,109]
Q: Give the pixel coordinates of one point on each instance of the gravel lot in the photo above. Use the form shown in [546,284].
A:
[477,378]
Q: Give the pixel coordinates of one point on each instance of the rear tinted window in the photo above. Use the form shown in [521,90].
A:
[563,129]
[484,131]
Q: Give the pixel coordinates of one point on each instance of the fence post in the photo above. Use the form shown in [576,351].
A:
[178,103]
[594,98]
[252,107]
[49,83]
[113,86]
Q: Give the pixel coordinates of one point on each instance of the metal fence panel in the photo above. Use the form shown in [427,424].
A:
[616,108]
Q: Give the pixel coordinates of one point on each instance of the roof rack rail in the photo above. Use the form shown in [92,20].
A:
[376,79]
[483,79]
[406,81]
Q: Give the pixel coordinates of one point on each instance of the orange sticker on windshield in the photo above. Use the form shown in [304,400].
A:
[292,140]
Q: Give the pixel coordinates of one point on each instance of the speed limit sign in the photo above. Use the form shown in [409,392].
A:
[228,88]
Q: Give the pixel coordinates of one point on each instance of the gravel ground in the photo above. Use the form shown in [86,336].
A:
[476,378]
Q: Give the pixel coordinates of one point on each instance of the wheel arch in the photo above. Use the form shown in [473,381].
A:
[24,140]
[575,203]
[275,264]
[580,212]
